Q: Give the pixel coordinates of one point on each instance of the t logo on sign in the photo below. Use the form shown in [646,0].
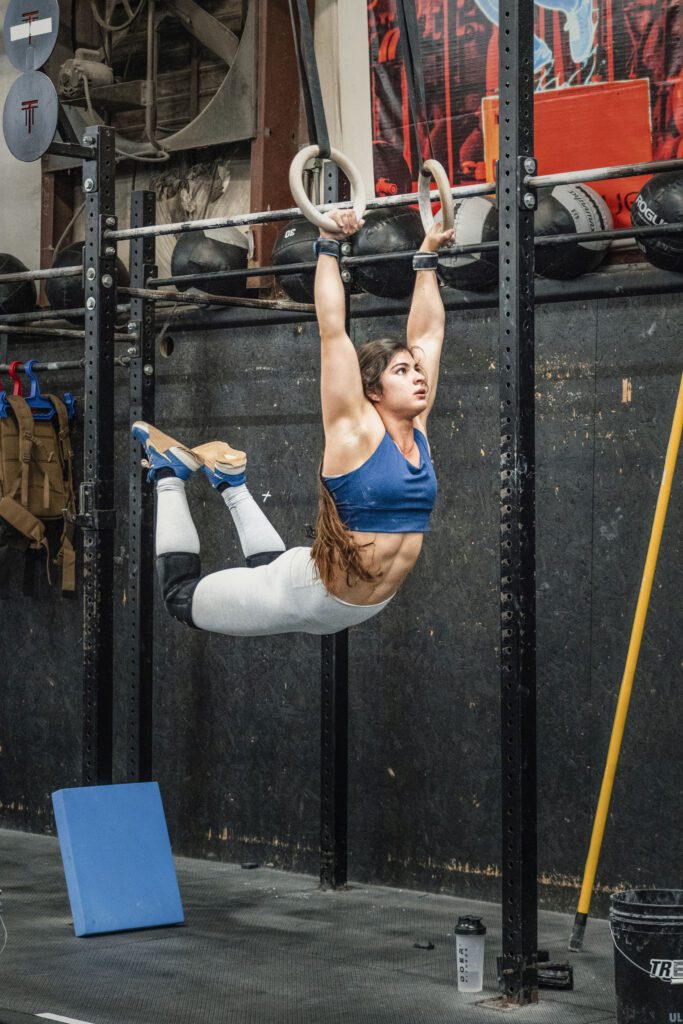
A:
[29,107]
[30,17]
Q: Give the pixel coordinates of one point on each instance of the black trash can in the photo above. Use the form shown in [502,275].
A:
[647,929]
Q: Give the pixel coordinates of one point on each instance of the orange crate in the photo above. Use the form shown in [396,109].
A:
[587,126]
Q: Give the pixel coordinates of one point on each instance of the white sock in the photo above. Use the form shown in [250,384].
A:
[175,530]
[255,531]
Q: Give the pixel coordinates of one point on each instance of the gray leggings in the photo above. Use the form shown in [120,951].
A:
[278,592]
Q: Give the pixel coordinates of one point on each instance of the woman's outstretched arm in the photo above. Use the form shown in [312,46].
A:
[341,387]
[427,319]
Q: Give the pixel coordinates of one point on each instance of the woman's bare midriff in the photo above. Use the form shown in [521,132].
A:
[389,556]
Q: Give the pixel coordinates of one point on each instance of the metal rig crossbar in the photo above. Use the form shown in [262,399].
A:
[40,315]
[63,364]
[41,275]
[542,241]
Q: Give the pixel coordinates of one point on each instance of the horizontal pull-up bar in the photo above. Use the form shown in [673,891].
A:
[459,192]
[610,234]
[602,173]
[271,216]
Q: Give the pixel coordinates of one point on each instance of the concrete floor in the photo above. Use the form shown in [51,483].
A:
[266,946]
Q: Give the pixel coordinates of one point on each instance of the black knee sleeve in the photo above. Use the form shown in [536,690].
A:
[178,574]
[264,558]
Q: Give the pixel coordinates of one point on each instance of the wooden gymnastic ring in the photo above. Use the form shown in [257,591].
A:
[304,203]
[433,169]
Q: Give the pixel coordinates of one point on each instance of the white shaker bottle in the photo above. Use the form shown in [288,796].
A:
[470,936]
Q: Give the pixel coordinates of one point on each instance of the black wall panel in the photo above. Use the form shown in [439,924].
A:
[236,748]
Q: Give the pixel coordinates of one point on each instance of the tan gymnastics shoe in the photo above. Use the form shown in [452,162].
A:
[221,464]
[164,452]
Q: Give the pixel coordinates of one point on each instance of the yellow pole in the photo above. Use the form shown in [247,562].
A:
[581,918]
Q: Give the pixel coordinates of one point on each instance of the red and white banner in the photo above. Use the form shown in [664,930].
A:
[609,88]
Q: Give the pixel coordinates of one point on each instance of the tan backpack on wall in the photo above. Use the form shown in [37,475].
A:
[36,481]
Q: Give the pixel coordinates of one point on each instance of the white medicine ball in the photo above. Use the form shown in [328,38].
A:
[568,209]
[476,220]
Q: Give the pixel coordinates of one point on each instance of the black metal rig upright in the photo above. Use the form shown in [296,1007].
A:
[96,512]
[334,707]
[334,700]
[517,502]
[140,606]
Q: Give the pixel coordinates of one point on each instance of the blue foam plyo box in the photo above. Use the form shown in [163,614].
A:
[117,858]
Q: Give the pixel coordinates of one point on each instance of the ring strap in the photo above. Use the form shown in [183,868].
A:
[412,59]
[309,78]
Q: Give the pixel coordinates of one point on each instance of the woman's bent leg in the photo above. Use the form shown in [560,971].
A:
[177,548]
[247,602]
[261,543]
[175,529]
[224,467]
[179,567]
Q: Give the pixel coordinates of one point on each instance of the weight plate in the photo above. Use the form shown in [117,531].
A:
[30,117]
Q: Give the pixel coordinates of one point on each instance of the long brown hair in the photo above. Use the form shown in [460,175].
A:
[334,549]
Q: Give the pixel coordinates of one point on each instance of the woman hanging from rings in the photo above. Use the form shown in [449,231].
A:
[377,485]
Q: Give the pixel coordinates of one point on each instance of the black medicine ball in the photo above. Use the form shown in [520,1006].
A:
[660,201]
[568,209]
[387,231]
[476,220]
[195,253]
[68,292]
[294,244]
[15,296]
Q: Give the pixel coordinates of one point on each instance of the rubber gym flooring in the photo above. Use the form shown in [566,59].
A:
[262,946]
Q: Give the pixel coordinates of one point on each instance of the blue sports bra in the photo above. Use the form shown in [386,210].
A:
[387,494]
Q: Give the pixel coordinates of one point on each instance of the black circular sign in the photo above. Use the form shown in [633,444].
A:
[31,32]
[29,119]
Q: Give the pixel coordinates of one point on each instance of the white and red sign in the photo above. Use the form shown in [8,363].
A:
[31,28]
